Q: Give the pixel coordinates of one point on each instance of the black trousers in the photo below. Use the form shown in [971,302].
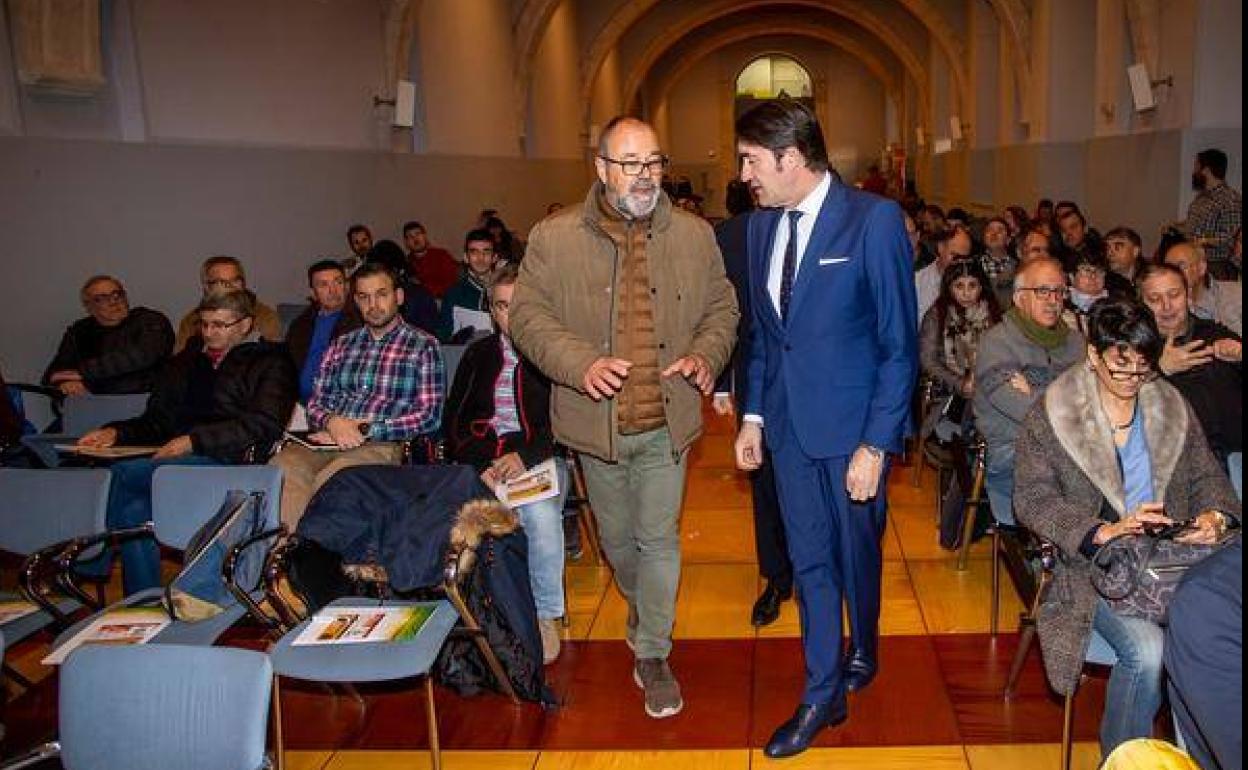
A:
[769,539]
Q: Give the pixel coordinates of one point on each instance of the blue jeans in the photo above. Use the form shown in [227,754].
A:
[1135,686]
[999,482]
[543,526]
[130,505]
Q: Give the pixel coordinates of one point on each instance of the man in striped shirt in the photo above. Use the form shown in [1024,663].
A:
[378,387]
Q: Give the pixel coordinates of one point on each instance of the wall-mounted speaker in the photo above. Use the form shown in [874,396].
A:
[405,104]
[1141,87]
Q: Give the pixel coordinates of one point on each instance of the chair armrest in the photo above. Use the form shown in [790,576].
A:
[276,573]
[243,595]
[66,576]
[37,755]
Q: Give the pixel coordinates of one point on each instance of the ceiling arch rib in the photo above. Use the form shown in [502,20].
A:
[860,13]
[855,48]
[729,37]
[868,21]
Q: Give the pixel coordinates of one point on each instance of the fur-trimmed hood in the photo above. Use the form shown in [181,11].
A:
[1074,410]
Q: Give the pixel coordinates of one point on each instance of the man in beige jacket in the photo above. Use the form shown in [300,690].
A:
[624,304]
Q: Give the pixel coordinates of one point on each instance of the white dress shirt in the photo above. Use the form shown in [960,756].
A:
[809,207]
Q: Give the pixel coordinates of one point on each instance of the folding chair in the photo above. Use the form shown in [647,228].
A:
[184,498]
[38,509]
[154,708]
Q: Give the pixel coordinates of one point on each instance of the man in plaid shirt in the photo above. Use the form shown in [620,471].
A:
[378,387]
[1216,214]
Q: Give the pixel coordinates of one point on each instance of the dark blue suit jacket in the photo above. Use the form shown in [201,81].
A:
[841,371]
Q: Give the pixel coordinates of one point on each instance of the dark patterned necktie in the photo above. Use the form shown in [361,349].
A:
[790,265]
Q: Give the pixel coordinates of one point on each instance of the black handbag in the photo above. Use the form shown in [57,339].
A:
[1138,574]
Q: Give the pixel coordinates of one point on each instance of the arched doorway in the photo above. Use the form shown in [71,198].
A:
[772,76]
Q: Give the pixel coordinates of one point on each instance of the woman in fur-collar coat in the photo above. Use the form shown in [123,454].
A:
[1108,450]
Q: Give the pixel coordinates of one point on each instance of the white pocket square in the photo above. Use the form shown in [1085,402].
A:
[832,260]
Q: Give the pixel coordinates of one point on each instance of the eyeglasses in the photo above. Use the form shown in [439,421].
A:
[1126,375]
[220,326]
[635,167]
[1046,293]
[221,283]
[501,306]
[117,295]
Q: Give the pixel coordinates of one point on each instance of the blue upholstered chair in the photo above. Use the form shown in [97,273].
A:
[81,414]
[39,508]
[155,708]
[184,498]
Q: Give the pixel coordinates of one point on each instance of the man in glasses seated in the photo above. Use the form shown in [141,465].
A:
[224,400]
[115,349]
[219,275]
[1017,360]
[1204,360]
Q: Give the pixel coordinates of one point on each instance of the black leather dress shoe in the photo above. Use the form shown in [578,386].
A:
[795,736]
[767,608]
[858,670]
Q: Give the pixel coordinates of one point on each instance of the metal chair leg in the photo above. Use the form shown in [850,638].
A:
[1027,634]
[279,750]
[994,624]
[916,476]
[1068,724]
[585,514]
[971,511]
[431,713]
[478,637]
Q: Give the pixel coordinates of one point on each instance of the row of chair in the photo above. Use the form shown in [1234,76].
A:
[56,519]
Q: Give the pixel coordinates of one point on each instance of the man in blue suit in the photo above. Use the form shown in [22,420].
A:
[832,365]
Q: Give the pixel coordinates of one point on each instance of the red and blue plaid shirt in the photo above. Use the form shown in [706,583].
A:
[396,383]
[506,411]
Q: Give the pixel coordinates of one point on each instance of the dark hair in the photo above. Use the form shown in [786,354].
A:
[933,210]
[1044,203]
[948,234]
[964,268]
[1020,214]
[1125,324]
[1154,269]
[1214,160]
[477,234]
[389,254]
[218,261]
[1093,255]
[737,198]
[321,265]
[1125,232]
[358,228]
[412,225]
[372,268]
[1073,211]
[779,124]
[959,214]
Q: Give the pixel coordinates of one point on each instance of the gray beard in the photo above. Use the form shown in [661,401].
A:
[633,208]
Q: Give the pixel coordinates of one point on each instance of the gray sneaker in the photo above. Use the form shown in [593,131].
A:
[656,679]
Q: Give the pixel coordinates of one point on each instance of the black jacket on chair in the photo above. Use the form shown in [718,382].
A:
[230,412]
[471,438]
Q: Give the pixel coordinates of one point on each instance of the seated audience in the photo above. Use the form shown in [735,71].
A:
[951,245]
[506,245]
[1087,285]
[222,401]
[498,420]
[951,331]
[1017,360]
[1203,359]
[1044,211]
[1204,659]
[431,266]
[997,260]
[359,242]
[378,386]
[419,308]
[1077,237]
[328,316]
[1220,301]
[115,349]
[1036,244]
[1125,252]
[219,275]
[1096,458]
[1016,220]
[875,181]
[470,292]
